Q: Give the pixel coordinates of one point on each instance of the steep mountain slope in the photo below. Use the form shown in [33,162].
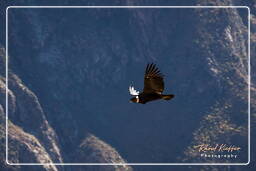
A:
[32,140]
[29,132]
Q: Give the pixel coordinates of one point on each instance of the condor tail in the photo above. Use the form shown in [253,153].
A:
[167,97]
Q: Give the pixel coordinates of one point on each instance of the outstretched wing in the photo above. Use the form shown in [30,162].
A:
[153,80]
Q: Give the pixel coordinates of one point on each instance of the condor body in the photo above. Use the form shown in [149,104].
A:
[153,87]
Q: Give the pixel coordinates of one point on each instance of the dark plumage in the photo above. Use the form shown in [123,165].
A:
[153,87]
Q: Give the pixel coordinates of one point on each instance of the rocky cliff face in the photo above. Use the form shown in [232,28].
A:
[70,69]
[32,139]
[34,143]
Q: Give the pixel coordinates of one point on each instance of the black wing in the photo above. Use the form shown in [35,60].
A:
[153,80]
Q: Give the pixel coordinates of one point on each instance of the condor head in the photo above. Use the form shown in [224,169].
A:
[135,95]
[135,99]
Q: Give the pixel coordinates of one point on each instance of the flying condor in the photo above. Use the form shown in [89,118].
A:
[153,87]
